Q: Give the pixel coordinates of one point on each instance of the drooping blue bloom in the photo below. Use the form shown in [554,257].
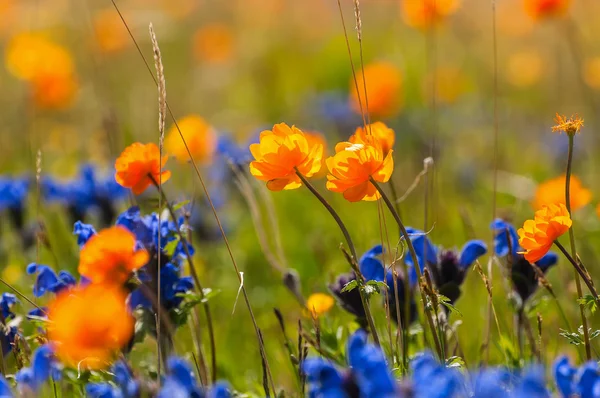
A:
[5,391]
[7,300]
[83,232]
[126,385]
[171,284]
[369,367]
[43,367]
[13,192]
[531,384]
[492,383]
[180,382]
[564,375]
[324,380]
[370,265]
[587,380]
[433,380]
[48,281]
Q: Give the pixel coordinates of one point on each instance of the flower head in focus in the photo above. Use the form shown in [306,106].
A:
[384,90]
[140,166]
[351,168]
[537,235]
[384,135]
[569,125]
[199,136]
[424,14]
[280,152]
[553,191]
[110,256]
[88,325]
[543,9]
[319,303]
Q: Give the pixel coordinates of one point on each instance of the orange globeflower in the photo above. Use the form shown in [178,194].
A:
[89,325]
[54,90]
[380,131]
[110,256]
[280,153]
[537,235]
[539,9]
[199,136]
[553,192]
[423,14]
[213,43]
[28,55]
[140,166]
[109,32]
[384,85]
[352,166]
[319,303]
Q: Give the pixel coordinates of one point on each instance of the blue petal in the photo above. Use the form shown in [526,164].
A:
[84,232]
[219,390]
[5,391]
[547,261]
[42,364]
[182,373]
[102,390]
[587,378]
[46,279]
[424,249]
[501,241]
[323,378]
[372,269]
[564,375]
[533,384]
[471,251]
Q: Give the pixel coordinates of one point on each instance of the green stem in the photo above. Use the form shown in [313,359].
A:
[413,253]
[588,351]
[346,234]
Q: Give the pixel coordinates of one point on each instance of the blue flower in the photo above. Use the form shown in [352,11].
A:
[234,153]
[433,380]
[5,391]
[127,387]
[84,232]
[369,367]
[588,381]
[492,383]
[324,380]
[532,384]
[7,300]
[180,382]
[171,284]
[13,192]
[44,365]
[48,281]
[564,375]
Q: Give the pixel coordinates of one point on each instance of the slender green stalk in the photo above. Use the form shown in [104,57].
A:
[346,234]
[413,253]
[580,270]
[588,351]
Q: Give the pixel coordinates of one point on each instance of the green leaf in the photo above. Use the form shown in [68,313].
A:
[589,302]
[179,205]
[451,308]
[455,362]
[573,338]
[171,246]
[350,286]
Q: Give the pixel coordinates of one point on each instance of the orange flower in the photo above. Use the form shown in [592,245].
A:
[380,131]
[423,14]
[319,303]
[213,43]
[140,164]
[553,191]
[537,235]
[352,166]
[280,152]
[110,256]
[30,54]
[569,125]
[315,138]
[54,90]
[384,85]
[539,9]
[89,325]
[109,32]
[199,136]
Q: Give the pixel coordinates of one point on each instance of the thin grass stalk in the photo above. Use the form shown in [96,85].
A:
[208,197]
[354,259]
[586,336]
[362,63]
[413,253]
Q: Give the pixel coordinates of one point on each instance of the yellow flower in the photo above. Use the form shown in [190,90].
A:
[553,191]
[569,126]
[200,137]
[384,86]
[29,55]
[109,32]
[351,168]
[319,303]
[538,235]
[525,68]
[280,153]
[380,131]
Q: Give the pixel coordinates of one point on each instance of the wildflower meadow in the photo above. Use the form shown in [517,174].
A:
[316,198]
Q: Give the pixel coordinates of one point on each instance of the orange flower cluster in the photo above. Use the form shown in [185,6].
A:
[281,153]
[384,89]
[110,256]
[553,191]
[88,325]
[46,66]
[538,235]
[199,136]
[540,9]
[351,168]
[423,14]
[140,166]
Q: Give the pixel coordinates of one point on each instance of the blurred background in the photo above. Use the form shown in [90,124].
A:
[76,90]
